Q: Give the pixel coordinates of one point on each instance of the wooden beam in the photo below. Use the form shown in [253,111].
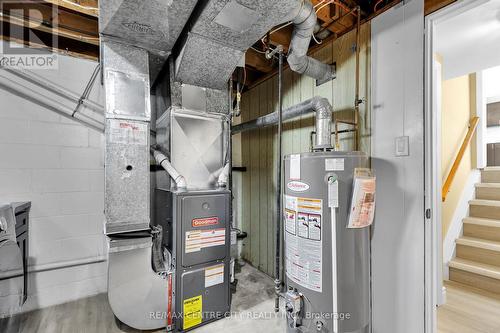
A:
[87,7]
[258,61]
[431,6]
[282,37]
[58,22]
[64,48]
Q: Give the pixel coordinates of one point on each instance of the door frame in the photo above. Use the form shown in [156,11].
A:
[435,293]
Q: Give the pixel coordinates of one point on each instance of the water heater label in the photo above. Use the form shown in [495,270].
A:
[297,186]
[295,166]
[304,241]
[203,222]
[334,164]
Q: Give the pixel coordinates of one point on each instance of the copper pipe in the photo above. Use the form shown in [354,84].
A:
[346,122]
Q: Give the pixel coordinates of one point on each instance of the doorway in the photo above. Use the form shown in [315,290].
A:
[462,73]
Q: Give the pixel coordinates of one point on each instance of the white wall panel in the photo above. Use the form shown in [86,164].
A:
[397,110]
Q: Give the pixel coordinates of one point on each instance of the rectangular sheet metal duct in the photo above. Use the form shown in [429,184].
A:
[153,25]
[128,115]
[222,33]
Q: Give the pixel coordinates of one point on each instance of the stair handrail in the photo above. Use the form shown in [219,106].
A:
[458,159]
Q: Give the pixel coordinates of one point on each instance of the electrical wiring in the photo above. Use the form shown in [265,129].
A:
[316,40]
[376,5]
[319,3]
[256,50]
[335,2]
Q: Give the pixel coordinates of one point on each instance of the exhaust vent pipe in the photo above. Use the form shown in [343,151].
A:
[298,60]
[319,105]
[162,160]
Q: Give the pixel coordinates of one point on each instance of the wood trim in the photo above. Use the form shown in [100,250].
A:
[451,175]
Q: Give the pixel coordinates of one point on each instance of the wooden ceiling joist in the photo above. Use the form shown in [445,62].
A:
[87,7]
[58,22]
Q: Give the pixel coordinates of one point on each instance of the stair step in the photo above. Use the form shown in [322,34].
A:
[478,275]
[488,191]
[476,268]
[490,175]
[479,250]
[489,209]
[488,229]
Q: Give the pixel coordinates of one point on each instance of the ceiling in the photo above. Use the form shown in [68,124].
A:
[74,24]
[470,41]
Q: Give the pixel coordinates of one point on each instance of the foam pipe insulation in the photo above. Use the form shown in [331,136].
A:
[304,24]
[319,105]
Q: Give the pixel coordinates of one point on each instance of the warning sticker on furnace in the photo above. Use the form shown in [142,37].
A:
[214,275]
[192,310]
[303,248]
[200,239]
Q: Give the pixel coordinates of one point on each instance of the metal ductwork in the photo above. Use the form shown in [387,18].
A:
[153,25]
[319,105]
[298,60]
[222,33]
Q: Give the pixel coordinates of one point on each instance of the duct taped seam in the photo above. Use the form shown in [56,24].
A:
[297,55]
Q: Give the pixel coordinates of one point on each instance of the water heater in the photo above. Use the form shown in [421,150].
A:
[327,264]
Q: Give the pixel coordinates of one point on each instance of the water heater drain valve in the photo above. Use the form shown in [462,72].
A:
[293,307]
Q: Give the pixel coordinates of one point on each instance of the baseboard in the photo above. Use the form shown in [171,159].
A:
[455,229]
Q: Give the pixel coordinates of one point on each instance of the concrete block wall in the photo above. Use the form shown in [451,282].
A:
[57,164]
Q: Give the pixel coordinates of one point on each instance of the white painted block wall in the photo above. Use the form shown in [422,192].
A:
[57,164]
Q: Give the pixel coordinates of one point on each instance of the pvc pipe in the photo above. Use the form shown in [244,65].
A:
[224,175]
[162,160]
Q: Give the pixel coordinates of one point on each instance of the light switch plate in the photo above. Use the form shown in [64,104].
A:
[402,146]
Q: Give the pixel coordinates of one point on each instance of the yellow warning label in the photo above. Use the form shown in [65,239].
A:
[193,309]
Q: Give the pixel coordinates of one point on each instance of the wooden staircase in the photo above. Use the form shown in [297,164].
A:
[477,261]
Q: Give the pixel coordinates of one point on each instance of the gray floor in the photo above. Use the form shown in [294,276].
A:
[252,311]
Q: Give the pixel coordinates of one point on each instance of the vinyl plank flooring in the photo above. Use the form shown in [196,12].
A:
[254,294]
[469,310]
